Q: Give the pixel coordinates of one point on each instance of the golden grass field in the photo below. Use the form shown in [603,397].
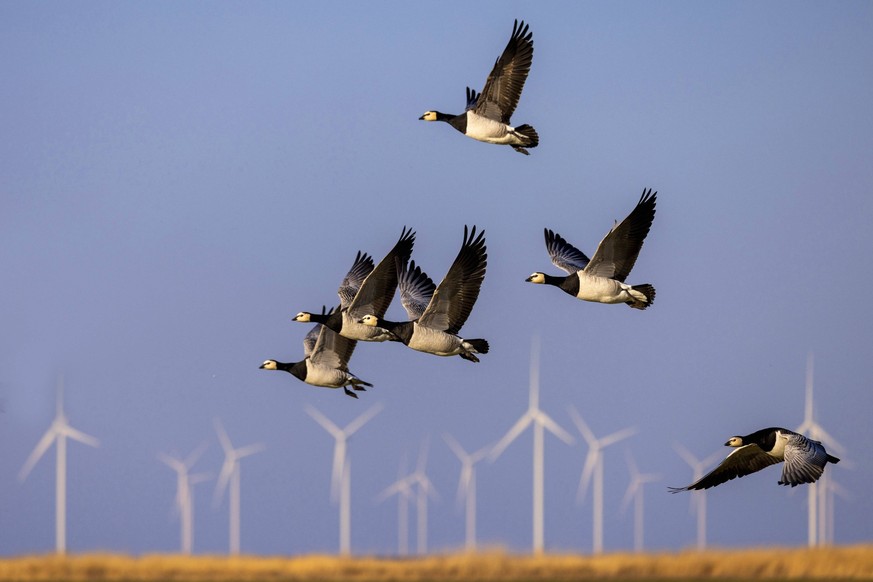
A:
[836,563]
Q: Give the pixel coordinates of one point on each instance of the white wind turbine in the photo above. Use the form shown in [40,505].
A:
[698,500]
[593,471]
[635,492]
[184,495]
[340,481]
[467,485]
[402,488]
[832,488]
[540,421]
[816,500]
[230,474]
[58,433]
[425,490]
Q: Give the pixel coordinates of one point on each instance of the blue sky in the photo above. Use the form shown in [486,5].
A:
[180,179]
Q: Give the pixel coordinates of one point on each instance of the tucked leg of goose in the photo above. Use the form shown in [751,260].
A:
[349,392]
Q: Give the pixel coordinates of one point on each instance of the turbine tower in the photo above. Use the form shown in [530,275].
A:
[230,474]
[340,481]
[540,421]
[593,471]
[402,488]
[58,433]
[467,485]
[816,493]
[425,490]
[184,496]
[635,492]
[698,500]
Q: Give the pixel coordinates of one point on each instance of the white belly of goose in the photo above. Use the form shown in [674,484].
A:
[779,447]
[434,341]
[325,376]
[490,131]
[603,290]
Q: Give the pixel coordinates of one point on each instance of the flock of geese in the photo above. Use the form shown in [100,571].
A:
[438,312]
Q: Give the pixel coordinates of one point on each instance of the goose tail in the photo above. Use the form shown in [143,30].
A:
[528,137]
[470,347]
[642,296]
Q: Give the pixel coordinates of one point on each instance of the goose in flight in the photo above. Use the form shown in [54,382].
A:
[436,314]
[366,290]
[601,278]
[325,361]
[486,117]
[804,458]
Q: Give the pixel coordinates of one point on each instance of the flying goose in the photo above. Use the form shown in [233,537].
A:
[601,279]
[804,458]
[437,314]
[325,361]
[364,292]
[486,117]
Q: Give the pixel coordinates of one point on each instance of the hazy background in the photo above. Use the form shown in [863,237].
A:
[177,180]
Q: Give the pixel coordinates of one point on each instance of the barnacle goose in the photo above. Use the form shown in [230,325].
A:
[437,314]
[804,458]
[366,291]
[601,279]
[486,117]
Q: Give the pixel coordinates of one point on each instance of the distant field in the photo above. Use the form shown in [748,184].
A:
[838,563]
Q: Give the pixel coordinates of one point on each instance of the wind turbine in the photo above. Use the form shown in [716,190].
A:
[635,492]
[832,488]
[816,492]
[230,474]
[593,471]
[402,488]
[425,490]
[540,421]
[184,497]
[58,433]
[340,481]
[698,500]
[467,485]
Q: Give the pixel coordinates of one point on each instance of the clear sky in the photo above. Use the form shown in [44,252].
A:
[179,179]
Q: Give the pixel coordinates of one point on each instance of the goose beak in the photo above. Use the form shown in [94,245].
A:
[529,279]
[421,118]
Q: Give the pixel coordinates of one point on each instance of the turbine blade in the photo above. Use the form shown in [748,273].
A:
[553,427]
[41,447]
[223,478]
[222,437]
[195,454]
[582,426]
[249,450]
[325,423]
[78,435]
[363,419]
[521,424]
[456,447]
[587,472]
[617,436]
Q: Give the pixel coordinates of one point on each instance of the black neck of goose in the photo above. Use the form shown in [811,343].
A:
[570,284]
[297,369]
[333,321]
[401,329]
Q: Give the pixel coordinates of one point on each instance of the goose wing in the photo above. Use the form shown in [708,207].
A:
[804,461]
[311,338]
[617,252]
[416,289]
[377,290]
[332,350]
[741,462]
[564,255]
[353,280]
[455,296]
[502,90]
